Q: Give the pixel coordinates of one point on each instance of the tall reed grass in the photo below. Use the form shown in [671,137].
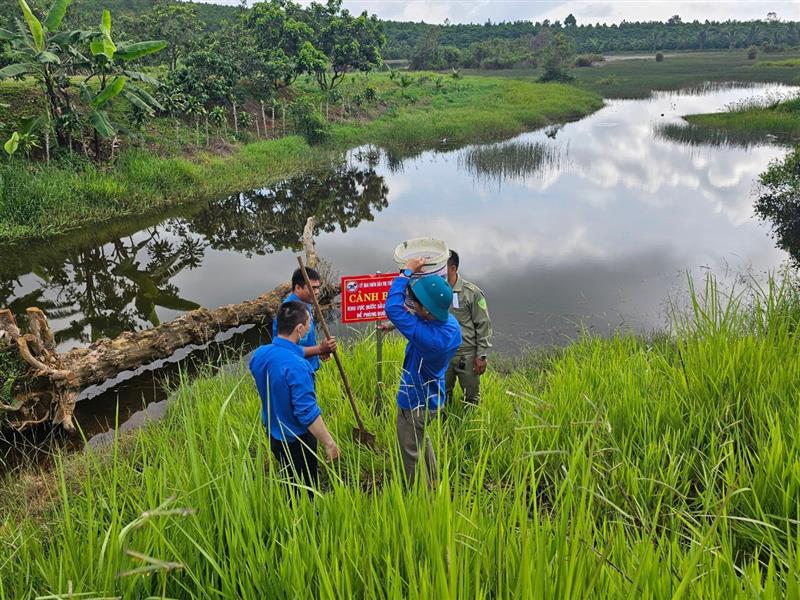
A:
[624,467]
[513,160]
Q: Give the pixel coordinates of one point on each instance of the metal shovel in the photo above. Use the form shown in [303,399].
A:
[360,433]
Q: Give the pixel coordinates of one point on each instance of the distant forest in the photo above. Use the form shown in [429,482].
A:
[404,38]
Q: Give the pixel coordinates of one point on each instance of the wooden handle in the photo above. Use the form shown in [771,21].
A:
[328,336]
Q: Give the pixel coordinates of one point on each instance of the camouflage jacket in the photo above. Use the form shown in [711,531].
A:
[470,309]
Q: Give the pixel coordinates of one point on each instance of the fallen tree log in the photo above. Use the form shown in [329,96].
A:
[56,380]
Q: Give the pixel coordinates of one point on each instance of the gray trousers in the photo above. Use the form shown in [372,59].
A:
[461,369]
[412,439]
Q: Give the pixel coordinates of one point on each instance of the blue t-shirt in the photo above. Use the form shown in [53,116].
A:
[310,339]
[285,383]
[431,346]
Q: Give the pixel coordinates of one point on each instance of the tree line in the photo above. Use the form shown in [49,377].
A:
[466,40]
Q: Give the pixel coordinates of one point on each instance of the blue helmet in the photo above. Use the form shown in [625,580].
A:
[435,294]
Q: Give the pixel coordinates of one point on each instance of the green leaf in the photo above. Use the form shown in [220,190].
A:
[102,45]
[101,123]
[139,49]
[6,35]
[48,58]
[147,307]
[173,302]
[16,69]
[105,23]
[56,14]
[131,97]
[143,77]
[108,92]
[12,144]
[34,25]
[147,98]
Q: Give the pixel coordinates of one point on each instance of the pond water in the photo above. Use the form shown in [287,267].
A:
[591,224]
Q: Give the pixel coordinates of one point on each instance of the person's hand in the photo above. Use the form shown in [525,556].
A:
[386,326]
[324,357]
[333,452]
[415,264]
[479,365]
[328,346]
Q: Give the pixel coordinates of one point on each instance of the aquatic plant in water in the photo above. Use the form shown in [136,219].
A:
[512,160]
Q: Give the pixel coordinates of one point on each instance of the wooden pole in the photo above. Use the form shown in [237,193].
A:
[379,367]
[235,120]
[328,336]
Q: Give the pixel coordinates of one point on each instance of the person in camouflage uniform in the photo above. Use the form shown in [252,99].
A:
[470,309]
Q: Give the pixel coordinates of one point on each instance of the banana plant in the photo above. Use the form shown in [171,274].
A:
[50,56]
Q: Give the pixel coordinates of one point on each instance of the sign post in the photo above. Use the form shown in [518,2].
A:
[363,300]
[379,366]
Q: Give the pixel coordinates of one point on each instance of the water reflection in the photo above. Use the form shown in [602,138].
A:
[101,290]
[271,219]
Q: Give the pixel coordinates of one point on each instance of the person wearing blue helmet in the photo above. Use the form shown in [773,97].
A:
[433,336]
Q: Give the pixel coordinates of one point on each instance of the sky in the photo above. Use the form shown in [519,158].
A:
[585,11]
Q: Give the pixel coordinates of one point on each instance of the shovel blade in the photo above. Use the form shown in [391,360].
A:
[364,437]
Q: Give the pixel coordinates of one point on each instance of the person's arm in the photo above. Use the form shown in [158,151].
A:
[320,431]
[322,349]
[306,410]
[395,308]
[483,331]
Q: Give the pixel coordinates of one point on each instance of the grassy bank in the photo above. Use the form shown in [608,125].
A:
[40,201]
[639,77]
[663,468]
[780,120]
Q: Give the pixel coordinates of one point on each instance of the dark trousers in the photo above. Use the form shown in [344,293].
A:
[298,458]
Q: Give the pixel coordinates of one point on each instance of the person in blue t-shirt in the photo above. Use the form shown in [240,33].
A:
[433,336]
[300,293]
[289,409]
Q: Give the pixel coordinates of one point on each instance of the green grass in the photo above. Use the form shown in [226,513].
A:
[788,62]
[37,200]
[621,468]
[468,110]
[753,121]
[638,78]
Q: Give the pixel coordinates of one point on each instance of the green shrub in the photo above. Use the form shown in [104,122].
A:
[659,57]
[587,60]
[308,121]
[245,119]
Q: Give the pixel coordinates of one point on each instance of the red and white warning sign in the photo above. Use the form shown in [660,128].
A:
[364,296]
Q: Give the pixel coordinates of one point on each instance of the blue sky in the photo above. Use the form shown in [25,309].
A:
[586,11]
